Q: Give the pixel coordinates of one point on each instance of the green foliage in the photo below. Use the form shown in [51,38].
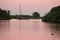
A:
[4,14]
[53,16]
[21,16]
[36,15]
[24,17]
[57,9]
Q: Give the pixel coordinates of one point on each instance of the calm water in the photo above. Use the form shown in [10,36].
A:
[28,30]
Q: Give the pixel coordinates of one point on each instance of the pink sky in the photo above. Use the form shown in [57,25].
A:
[29,6]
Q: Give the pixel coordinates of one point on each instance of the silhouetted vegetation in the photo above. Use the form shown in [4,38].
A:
[36,15]
[4,14]
[53,16]
[14,16]
[24,17]
[21,16]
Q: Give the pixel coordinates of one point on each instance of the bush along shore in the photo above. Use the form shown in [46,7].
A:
[53,16]
[4,14]
[34,15]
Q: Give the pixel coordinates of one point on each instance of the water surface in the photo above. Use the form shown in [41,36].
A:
[28,30]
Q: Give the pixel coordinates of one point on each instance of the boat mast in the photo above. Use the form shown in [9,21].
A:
[20,8]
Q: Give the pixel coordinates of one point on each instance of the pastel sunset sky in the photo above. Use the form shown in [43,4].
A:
[29,6]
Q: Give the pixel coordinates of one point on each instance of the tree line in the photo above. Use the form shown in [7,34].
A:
[5,15]
[34,15]
[52,16]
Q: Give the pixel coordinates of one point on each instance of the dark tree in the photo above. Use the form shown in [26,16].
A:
[53,16]
[55,9]
[4,14]
[36,15]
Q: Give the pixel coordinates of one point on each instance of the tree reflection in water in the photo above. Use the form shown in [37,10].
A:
[4,25]
[56,27]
